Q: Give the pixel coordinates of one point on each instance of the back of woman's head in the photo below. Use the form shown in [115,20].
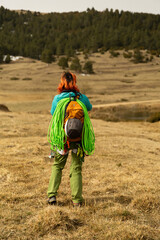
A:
[68,82]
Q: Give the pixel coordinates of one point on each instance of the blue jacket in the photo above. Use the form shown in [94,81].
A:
[83,98]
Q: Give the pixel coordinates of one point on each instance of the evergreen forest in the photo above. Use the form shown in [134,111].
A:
[32,34]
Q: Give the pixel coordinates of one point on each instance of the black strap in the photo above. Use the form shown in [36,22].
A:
[74,91]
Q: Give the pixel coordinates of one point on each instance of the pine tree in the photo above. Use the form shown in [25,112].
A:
[75,65]
[63,62]
[47,56]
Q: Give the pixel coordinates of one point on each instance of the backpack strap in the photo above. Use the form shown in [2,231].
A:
[75,92]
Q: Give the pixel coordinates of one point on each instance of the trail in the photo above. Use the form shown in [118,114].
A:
[125,103]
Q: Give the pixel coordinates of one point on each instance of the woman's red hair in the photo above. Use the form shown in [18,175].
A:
[68,83]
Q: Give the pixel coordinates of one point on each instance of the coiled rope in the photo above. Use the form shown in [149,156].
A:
[57,136]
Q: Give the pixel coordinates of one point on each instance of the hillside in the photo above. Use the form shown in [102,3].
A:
[30,34]
[28,85]
[121,179]
[121,183]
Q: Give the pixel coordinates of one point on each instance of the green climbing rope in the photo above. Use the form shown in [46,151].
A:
[56,134]
[88,137]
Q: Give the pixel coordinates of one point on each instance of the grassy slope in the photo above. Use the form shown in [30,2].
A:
[121,183]
[121,180]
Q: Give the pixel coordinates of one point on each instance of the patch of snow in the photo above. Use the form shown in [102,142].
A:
[13,58]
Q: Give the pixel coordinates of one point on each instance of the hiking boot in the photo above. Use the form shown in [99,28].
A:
[52,200]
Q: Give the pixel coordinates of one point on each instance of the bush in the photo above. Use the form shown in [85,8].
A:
[113,53]
[63,62]
[1,57]
[102,50]
[14,78]
[7,59]
[47,56]
[75,65]
[155,52]
[138,57]
[88,67]
[27,79]
[127,54]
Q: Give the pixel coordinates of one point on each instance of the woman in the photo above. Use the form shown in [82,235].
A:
[68,88]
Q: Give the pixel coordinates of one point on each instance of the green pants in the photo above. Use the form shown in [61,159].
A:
[75,176]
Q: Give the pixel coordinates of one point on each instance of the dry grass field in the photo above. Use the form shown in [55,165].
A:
[121,181]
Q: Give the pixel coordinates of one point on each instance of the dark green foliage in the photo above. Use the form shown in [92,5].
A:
[47,56]
[88,67]
[102,51]
[75,65]
[28,34]
[1,58]
[138,57]
[27,79]
[7,59]
[63,62]
[14,78]
[127,54]
[155,52]
[113,53]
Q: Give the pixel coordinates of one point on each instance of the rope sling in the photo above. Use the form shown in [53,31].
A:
[56,135]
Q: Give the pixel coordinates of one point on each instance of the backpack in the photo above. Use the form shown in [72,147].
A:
[73,121]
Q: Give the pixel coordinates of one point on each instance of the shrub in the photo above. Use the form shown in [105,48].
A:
[47,56]
[7,59]
[138,57]
[14,78]
[134,74]
[63,62]
[27,79]
[127,54]
[124,100]
[75,65]
[1,57]
[113,53]
[102,50]
[155,52]
[88,67]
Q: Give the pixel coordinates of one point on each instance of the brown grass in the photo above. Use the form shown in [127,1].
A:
[120,181]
